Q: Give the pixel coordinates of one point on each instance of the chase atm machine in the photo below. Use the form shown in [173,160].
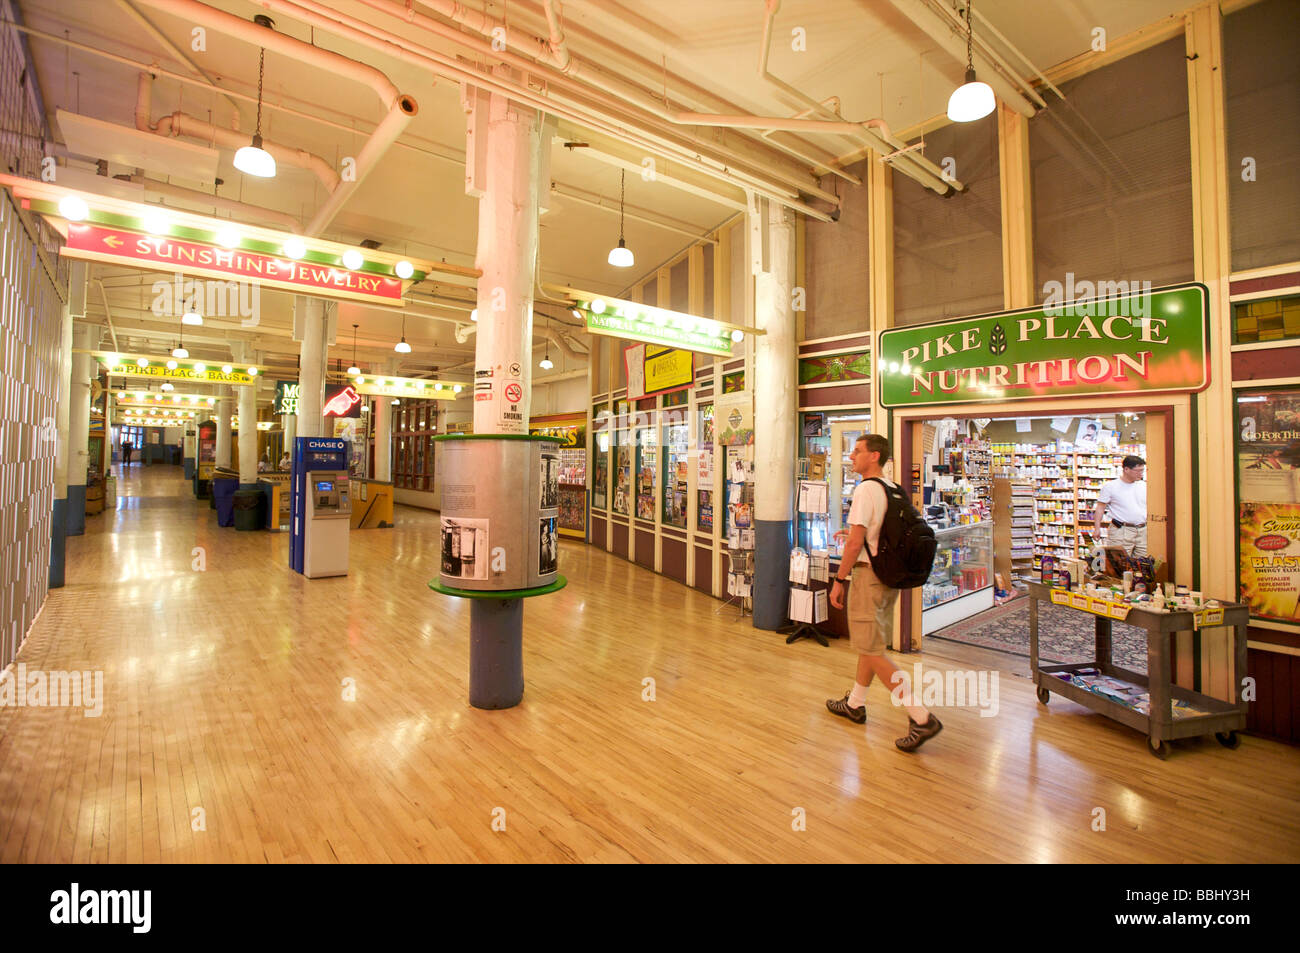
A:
[321,508]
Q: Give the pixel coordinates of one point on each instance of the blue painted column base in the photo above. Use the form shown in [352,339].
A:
[772,545]
[76,521]
[58,542]
[496,653]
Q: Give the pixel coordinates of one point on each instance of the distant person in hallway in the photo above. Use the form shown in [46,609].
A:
[871,602]
[126,452]
[1126,501]
[284,461]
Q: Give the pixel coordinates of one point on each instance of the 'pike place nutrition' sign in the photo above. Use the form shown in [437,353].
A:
[1145,341]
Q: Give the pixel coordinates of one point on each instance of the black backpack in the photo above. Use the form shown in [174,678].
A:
[905,552]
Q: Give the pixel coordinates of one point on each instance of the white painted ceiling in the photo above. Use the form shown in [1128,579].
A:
[866,52]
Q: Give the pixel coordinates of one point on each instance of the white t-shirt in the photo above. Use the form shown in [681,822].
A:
[1126,502]
[868,509]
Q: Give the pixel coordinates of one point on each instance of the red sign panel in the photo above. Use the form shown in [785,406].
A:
[100,243]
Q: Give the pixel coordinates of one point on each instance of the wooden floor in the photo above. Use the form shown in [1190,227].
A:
[224,691]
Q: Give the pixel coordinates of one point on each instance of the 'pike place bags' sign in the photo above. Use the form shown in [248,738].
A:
[1144,341]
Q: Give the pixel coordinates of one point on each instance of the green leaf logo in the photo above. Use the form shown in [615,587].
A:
[997,340]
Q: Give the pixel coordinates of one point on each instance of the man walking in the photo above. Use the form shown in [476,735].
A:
[1126,498]
[871,602]
[126,452]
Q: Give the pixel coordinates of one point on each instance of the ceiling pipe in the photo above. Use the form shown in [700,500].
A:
[194,12]
[103,296]
[577,196]
[1025,86]
[183,124]
[177,53]
[559,52]
[728,167]
[252,212]
[385,134]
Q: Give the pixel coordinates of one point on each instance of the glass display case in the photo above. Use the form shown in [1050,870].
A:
[961,582]
[706,479]
[647,468]
[414,424]
[676,444]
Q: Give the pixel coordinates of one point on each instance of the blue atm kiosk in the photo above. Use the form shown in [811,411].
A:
[309,454]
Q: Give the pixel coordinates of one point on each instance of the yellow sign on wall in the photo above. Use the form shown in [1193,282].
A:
[667,368]
[161,372]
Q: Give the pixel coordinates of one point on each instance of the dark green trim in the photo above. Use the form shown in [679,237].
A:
[497,436]
[1195,403]
[560,583]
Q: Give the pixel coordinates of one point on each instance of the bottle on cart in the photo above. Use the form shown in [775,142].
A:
[1048,570]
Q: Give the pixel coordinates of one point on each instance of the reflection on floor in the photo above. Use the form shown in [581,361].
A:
[250,714]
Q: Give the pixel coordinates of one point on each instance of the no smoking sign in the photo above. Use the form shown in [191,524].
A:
[514,392]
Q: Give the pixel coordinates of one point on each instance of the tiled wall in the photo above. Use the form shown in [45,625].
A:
[30,340]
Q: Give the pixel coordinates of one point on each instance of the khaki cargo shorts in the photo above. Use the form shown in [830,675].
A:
[870,608]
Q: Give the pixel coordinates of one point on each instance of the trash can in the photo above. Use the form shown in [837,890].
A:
[223,500]
[249,506]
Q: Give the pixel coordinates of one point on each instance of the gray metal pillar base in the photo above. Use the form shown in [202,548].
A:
[58,542]
[76,520]
[772,545]
[496,653]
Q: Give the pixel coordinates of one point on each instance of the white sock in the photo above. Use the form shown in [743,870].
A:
[858,697]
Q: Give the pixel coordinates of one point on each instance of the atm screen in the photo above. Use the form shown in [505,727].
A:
[325,486]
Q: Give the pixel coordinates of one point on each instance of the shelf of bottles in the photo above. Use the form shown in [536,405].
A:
[1023,507]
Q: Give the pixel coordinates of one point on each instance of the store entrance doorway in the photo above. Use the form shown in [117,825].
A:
[1003,493]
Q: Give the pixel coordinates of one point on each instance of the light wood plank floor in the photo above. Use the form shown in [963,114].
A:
[224,692]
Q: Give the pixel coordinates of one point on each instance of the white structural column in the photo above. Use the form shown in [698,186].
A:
[224,410]
[312,327]
[383,423]
[59,520]
[289,423]
[248,426]
[505,162]
[83,337]
[776,410]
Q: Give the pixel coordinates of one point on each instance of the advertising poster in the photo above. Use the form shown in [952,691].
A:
[735,413]
[548,547]
[549,484]
[1268,487]
[464,548]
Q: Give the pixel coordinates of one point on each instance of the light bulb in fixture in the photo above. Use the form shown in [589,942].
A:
[73,208]
[576,313]
[172,365]
[141,362]
[353,371]
[620,256]
[155,223]
[396,402]
[227,369]
[192,316]
[457,389]
[737,335]
[212,402]
[598,307]
[294,248]
[252,372]
[361,380]
[972,99]
[121,395]
[200,367]
[228,238]
[254,160]
[404,269]
[546,363]
[353,259]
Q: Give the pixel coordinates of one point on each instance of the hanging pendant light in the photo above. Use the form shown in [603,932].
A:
[179,350]
[972,100]
[401,347]
[353,371]
[620,256]
[192,317]
[254,160]
[546,363]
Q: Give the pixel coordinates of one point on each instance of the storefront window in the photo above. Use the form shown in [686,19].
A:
[826,441]
[1269,320]
[676,442]
[705,478]
[623,440]
[414,426]
[1268,500]
[647,466]
[600,438]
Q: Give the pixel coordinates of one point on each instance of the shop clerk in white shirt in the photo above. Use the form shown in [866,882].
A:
[1123,504]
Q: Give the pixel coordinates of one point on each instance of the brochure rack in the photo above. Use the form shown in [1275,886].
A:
[808,605]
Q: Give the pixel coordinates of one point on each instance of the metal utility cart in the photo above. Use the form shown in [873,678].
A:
[1223,719]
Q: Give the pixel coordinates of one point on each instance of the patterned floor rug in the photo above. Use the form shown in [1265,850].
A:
[1064,635]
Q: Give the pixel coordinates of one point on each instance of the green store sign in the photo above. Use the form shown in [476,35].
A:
[639,322]
[1135,341]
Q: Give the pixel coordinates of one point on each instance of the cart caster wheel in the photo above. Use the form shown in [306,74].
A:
[1228,739]
[1158,748]
[1044,695]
